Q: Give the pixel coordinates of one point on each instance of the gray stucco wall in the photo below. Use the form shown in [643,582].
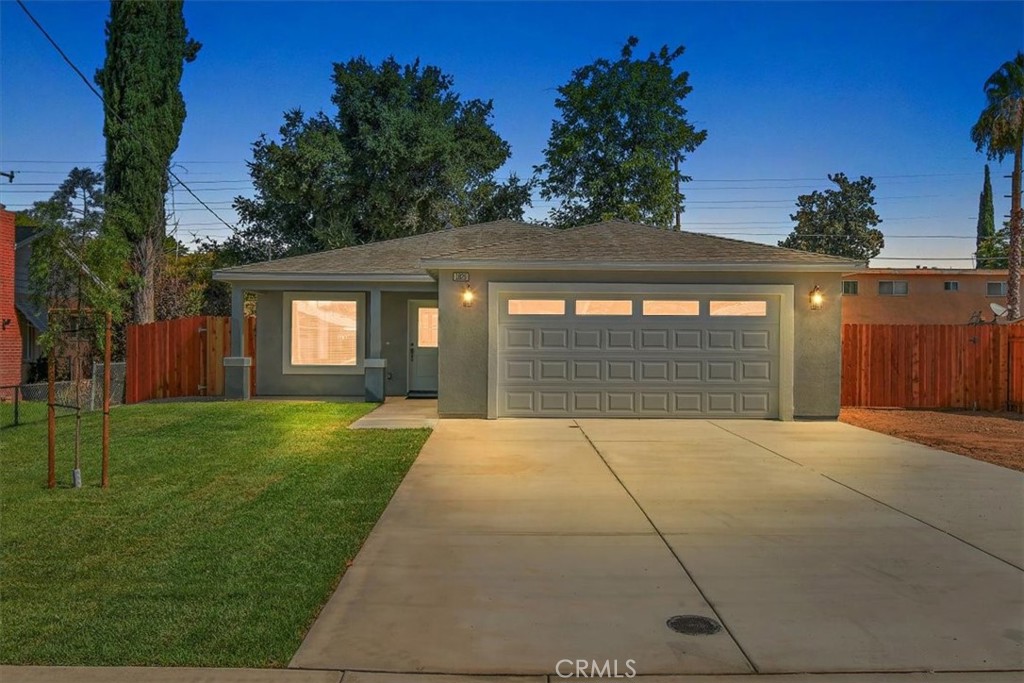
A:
[463,362]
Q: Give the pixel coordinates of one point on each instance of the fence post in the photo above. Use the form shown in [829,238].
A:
[17,398]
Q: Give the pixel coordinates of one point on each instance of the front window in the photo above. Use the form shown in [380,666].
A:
[995,289]
[850,288]
[324,333]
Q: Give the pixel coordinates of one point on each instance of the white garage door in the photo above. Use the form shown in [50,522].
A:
[656,354]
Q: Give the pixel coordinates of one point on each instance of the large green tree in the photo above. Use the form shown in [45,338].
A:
[402,155]
[147,47]
[616,150]
[986,213]
[999,132]
[839,221]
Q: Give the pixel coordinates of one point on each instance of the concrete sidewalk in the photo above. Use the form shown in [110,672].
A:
[398,412]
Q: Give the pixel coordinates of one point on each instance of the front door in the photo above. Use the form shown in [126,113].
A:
[423,347]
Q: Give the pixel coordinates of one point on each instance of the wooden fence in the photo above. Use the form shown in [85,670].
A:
[934,366]
[181,357]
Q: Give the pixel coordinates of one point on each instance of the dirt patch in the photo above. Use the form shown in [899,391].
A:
[997,438]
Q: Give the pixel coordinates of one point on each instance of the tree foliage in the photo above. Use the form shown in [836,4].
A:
[75,264]
[147,47]
[622,130]
[403,154]
[838,221]
[999,132]
[994,251]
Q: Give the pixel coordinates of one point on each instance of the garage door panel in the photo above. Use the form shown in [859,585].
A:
[554,339]
[639,366]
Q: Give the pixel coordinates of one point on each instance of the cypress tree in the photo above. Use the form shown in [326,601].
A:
[147,47]
[986,212]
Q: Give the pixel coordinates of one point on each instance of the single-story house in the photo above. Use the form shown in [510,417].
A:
[507,319]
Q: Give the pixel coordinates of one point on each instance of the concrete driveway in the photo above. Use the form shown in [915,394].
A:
[514,545]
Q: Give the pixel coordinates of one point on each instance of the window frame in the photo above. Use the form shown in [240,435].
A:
[561,300]
[856,288]
[1002,288]
[576,308]
[951,285]
[712,301]
[644,301]
[906,283]
[287,368]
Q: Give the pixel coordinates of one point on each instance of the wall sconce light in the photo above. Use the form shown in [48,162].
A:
[468,296]
[817,298]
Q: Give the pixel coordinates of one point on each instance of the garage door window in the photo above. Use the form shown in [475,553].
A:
[756,309]
[604,307]
[536,307]
[655,307]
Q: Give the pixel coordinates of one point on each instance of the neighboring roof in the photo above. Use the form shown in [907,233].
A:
[982,272]
[396,257]
[35,317]
[619,244]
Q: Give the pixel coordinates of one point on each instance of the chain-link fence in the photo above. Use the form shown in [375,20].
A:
[26,403]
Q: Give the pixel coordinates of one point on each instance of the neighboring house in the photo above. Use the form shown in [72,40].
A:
[20,320]
[506,319]
[922,295]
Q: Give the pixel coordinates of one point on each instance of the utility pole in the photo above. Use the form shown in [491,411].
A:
[679,199]
[7,174]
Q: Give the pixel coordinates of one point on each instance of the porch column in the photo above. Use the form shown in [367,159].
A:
[374,365]
[237,366]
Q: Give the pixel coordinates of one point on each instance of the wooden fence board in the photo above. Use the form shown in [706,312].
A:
[933,366]
[181,357]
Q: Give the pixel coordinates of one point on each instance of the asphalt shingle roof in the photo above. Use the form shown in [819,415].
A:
[399,256]
[621,242]
[610,242]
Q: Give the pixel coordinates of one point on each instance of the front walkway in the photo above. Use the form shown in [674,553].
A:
[398,412]
[513,545]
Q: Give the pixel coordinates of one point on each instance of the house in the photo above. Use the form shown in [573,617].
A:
[20,319]
[506,319]
[940,296]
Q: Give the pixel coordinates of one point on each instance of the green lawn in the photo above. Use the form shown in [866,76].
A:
[225,529]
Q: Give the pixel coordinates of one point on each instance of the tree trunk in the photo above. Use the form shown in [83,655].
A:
[1016,238]
[143,298]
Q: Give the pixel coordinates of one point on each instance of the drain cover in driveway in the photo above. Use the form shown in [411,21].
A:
[693,625]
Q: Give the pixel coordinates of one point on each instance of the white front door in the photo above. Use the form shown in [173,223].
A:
[422,347]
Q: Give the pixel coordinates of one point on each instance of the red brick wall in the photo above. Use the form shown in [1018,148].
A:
[10,332]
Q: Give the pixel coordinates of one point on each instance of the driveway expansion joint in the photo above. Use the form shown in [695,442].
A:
[679,560]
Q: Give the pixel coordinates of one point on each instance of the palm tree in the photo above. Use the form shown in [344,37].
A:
[1000,131]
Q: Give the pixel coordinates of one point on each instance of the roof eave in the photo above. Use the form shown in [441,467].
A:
[785,266]
[234,276]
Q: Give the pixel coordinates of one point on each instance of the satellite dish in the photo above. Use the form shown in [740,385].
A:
[998,309]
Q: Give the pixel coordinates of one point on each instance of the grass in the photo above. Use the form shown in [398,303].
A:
[225,529]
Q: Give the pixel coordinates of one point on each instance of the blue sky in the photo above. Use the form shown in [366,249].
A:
[787,91]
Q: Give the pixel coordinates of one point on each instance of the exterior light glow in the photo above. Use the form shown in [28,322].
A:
[817,298]
[468,296]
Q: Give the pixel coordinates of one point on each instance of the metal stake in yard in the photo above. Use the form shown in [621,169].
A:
[105,477]
[51,422]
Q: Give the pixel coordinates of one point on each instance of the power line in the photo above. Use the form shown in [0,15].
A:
[104,102]
[786,180]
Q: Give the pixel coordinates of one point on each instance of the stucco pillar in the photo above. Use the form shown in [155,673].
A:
[237,366]
[374,366]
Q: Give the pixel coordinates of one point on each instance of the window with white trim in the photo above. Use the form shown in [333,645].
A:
[323,333]
[850,288]
[995,289]
[893,288]
[951,286]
